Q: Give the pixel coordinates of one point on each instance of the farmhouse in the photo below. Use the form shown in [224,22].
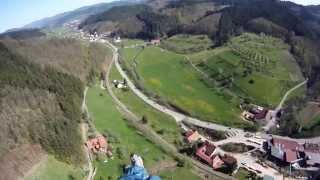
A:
[207,154]
[97,144]
[247,115]
[313,153]
[155,42]
[117,39]
[119,84]
[192,136]
[284,150]
[255,112]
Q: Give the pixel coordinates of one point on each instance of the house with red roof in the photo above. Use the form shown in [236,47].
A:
[156,41]
[97,144]
[192,136]
[206,153]
[284,149]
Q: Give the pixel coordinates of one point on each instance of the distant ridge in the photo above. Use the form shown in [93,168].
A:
[78,14]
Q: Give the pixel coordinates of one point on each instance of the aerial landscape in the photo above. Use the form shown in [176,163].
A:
[160,89]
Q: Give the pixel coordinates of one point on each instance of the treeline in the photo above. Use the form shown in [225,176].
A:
[23,34]
[58,135]
[120,13]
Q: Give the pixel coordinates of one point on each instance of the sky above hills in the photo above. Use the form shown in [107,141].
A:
[16,13]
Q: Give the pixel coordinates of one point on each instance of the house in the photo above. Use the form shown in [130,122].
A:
[155,42]
[284,149]
[247,115]
[312,152]
[217,162]
[259,112]
[117,39]
[120,84]
[192,136]
[255,112]
[206,153]
[97,144]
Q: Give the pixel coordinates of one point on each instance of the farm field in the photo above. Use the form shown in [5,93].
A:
[124,138]
[52,169]
[181,85]
[252,66]
[185,44]
[161,123]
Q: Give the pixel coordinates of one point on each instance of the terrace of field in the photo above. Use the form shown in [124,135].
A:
[256,67]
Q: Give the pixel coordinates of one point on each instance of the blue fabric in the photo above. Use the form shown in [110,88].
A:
[154,178]
[135,173]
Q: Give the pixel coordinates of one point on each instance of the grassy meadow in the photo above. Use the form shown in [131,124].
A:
[52,169]
[161,123]
[124,138]
[170,76]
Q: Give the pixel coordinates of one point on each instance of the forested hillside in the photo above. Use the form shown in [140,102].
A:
[42,83]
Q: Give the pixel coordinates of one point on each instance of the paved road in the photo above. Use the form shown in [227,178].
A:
[272,115]
[83,127]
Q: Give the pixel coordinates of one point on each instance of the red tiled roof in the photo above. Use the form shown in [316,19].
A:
[97,143]
[287,144]
[291,155]
[314,148]
[189,133]
[205,152]
[261,114]
[217,162]
[210,149]
[192,136]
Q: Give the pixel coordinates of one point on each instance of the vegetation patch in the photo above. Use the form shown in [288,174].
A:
[236,147]
[243,174]
[185,44]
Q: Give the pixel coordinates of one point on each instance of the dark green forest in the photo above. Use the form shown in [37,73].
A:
[58,135]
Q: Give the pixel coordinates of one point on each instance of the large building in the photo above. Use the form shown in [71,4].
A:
[207,154]
[290,151]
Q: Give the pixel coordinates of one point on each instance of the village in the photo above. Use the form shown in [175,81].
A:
[267,156]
